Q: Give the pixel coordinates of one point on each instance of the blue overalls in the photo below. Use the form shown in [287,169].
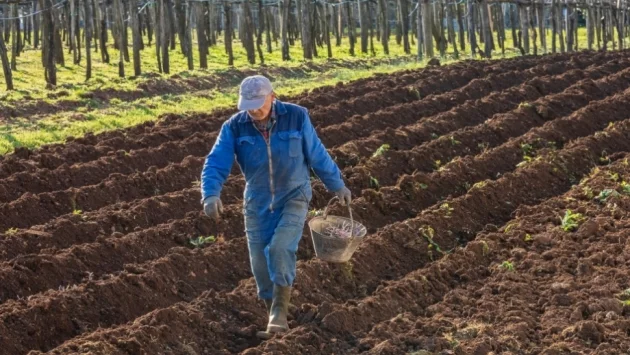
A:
[277,190]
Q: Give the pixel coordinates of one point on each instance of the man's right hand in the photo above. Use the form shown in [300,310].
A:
[212,206]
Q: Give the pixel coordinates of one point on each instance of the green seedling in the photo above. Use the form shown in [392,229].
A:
[446,208]
[381,150]
[613,176]
[201,241]
[588,192]
[428,232]
[454,141]
[77,212]
[625,188]
[524,105]
[423,186]
[479,184]
[485,248]
[528,237]
[11,231]
[571,221]
[374,183]
[605,194]
[507,265]
[509,227]
[527,149]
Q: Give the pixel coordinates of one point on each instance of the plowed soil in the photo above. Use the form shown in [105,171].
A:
[496,195]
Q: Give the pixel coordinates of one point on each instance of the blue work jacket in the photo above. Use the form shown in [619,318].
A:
[273,170]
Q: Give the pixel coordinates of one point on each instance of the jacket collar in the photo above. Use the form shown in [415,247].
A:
[279,107]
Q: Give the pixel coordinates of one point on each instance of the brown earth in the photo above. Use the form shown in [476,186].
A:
[519,143]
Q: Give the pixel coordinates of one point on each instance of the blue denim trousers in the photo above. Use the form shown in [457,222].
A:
[272,239]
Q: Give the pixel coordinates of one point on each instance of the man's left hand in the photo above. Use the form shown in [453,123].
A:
[344,196]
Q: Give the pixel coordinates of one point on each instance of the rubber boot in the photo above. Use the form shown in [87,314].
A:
[278,315]
[268,304]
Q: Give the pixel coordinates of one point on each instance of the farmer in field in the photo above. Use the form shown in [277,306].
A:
[275,145]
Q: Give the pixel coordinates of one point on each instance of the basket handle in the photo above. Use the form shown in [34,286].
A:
[325,215]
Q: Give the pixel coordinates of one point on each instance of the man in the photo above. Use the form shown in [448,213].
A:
[275,145]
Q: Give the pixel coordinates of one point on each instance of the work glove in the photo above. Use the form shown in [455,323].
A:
[212,206]
[344,196]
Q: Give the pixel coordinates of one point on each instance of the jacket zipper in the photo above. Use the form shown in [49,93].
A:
[271,187]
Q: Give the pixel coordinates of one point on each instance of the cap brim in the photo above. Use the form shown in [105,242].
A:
[246,105]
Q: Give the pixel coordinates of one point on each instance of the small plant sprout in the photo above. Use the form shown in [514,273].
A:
[527,149]
[507,265]
[201,241]
[625,188]
[571,221]
[422,186]
[479,184]
[11,231]
[196,183]
[380,151]
[588,192]
[528,237]
[524,105]
[446,208]
[437,164]
[374,183]
[613,176]
[77,212]
[428,232]
[509,227]
[454,141]
[485,248]
[605,194]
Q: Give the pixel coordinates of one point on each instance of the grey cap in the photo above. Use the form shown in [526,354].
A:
[253,92]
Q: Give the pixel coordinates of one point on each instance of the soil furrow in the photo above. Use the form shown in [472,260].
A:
[470,141]
[30,210]
[551,288]
[199,144]
[393,117]
[546,178]
[173,127]
[108,191]
[470,113]
[373,261]
[407,200]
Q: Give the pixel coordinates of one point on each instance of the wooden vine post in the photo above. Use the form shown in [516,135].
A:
[87,4]
[136,39]
[48,44]
[6,66]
